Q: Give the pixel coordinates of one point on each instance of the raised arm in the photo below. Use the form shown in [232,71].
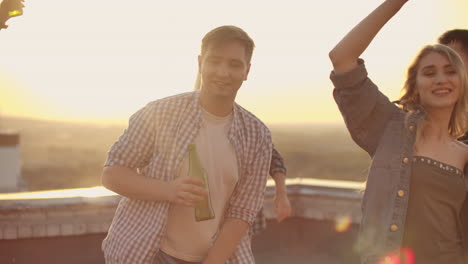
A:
[345,54]
[364,108]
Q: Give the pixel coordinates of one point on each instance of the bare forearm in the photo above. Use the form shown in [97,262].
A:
[345,54]
[229,238]
[280,182]
[129,183]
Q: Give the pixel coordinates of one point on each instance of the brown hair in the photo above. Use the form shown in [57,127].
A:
[223,34]
[455,36]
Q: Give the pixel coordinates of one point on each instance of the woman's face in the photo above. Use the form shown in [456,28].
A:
[437,82]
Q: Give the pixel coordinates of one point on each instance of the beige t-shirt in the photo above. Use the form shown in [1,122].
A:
[185,238]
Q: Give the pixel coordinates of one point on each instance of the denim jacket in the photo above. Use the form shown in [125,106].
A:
[388,134]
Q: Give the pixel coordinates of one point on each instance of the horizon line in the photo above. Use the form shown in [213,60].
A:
[121,122]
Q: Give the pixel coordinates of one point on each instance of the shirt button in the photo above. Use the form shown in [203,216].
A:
[411,128]
[405,160]
[394,228]
[401,193]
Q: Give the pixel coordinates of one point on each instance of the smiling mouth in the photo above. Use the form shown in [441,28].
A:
[442,91]
[221,84]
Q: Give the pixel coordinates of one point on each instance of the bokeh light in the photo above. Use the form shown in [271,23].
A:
[342,224]
[407,257]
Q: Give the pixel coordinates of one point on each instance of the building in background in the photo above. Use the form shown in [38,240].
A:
[10,161]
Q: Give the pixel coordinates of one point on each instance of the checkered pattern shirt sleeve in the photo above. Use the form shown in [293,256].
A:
[134,148]
[248,195]
[277,163]
[259,225]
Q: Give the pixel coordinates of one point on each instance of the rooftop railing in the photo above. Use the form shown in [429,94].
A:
[35,219]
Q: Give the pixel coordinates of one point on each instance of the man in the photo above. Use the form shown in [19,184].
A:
[149,167]
[457,39]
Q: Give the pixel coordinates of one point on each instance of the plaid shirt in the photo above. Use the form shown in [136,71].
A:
[156,142]
[277,165]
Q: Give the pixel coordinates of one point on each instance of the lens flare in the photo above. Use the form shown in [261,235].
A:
[342,224]
[407,257]
[390,259]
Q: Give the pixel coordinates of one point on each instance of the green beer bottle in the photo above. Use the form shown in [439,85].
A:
[203,209]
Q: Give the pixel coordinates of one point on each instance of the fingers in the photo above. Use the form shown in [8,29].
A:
[187,199]
[193,186]
[189,191]
[282,208]
[281,214]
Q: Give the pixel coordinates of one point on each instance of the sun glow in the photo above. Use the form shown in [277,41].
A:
[97,191]
[66,66]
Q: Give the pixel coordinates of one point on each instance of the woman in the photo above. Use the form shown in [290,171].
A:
[417,181]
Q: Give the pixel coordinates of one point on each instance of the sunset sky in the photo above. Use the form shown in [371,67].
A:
[102,60]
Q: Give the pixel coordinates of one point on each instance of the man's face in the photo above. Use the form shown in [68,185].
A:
[463,54]
[223,69]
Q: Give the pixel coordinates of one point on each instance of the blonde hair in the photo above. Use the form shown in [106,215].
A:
[410,99]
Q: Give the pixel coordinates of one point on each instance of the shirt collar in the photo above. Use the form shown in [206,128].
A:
[236,115]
